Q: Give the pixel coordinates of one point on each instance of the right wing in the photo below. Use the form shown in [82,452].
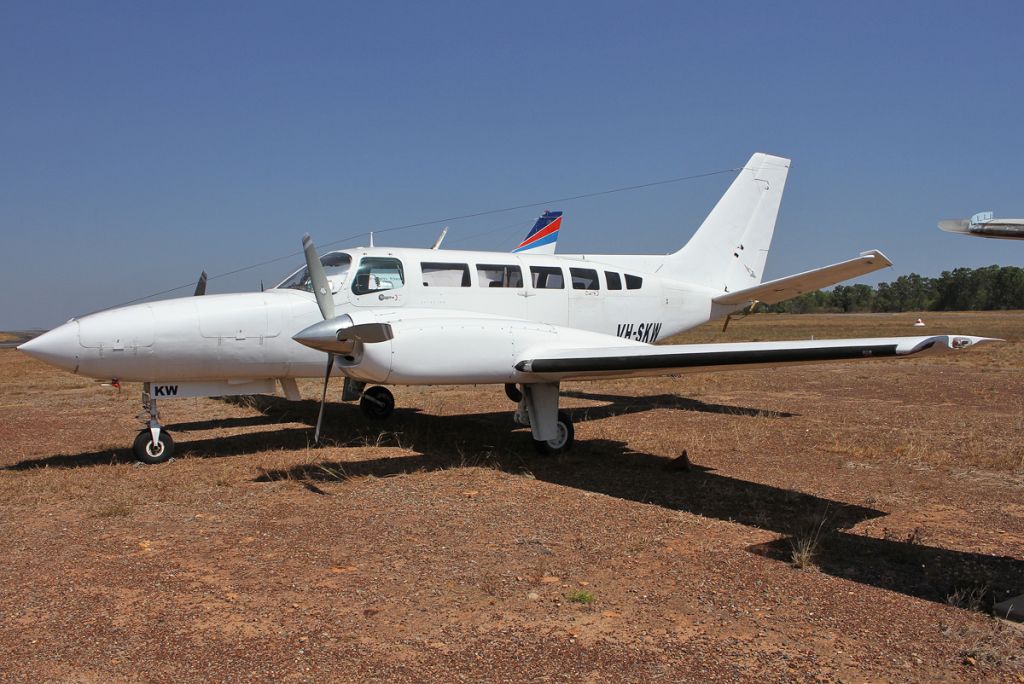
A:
[554,363]
[779,290]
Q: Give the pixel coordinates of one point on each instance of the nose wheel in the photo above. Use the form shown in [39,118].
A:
[152,451]
[154,444]
[377,403]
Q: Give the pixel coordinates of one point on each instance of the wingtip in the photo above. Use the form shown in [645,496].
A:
[877,254]
[965,341]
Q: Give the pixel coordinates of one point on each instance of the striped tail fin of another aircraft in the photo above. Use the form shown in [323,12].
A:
[544,235]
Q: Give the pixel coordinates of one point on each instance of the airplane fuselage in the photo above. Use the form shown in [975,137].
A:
[248,336]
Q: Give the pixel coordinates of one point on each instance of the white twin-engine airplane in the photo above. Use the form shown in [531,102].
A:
[525,320]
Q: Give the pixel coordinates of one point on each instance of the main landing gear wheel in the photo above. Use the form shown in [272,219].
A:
[378,403]
[562,441]
[148,452]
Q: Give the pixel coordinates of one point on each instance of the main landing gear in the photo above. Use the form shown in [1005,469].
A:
[552,429]
[377,403]
[154,444]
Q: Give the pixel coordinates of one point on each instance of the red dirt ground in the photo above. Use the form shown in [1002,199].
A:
[438,547]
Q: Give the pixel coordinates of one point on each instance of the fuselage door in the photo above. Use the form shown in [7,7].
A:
[586,299]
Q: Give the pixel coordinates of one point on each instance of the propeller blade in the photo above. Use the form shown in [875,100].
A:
[201,285]
[317,278]
[323,397]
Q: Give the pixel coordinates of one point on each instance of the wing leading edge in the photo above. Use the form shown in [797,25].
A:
[693,358]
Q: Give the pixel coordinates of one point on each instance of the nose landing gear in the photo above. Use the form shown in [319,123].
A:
[154,444]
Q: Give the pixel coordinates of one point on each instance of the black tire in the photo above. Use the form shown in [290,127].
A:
[377,403]
[513,392]
[147,452]
[562,443]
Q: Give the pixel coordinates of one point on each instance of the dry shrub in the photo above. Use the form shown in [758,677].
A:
[805,542]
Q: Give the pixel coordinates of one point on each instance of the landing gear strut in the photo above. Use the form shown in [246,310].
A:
[552,429]
[378,403]
[154,444]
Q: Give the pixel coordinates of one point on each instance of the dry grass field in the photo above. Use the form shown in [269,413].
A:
[842,522]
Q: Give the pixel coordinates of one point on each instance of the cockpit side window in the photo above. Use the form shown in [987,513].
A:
[336,265]
[376,274]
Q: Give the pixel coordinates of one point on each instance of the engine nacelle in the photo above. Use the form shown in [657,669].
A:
[426,347]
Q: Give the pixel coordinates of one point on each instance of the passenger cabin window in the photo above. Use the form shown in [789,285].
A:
[376,274]
[445,275]
[584,279]
[547,277]
[634,282]
[498,275]
[336,265]
[614,281]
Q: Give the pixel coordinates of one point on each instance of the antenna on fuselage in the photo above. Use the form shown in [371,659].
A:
[371,238]
[440,238]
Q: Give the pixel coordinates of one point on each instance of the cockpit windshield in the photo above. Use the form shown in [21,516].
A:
[336,265]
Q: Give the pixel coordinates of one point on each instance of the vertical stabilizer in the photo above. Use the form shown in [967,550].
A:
[729,250]
[544,235]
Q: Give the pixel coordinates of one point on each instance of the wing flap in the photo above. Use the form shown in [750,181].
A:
[779,290]
[660,359]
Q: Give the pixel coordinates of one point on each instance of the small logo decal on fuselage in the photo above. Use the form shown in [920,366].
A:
[641,332]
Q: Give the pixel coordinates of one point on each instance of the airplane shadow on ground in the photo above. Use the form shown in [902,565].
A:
[345,425]
[607,467]
[627,404]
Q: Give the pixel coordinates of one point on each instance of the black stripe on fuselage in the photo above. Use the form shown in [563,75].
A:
[711,358]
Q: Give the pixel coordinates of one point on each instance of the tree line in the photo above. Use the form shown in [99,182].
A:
[962,289]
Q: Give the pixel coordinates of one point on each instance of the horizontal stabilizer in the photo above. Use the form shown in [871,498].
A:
[625,361]
[775,291]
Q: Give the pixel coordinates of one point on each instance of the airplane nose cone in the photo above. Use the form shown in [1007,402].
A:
[59,347]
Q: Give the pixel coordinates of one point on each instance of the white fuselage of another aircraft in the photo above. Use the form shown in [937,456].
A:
[247,336]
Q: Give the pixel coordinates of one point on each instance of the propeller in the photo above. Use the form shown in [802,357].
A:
[324,299]
[334,335]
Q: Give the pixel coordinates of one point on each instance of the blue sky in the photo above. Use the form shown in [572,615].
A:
[144,142]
